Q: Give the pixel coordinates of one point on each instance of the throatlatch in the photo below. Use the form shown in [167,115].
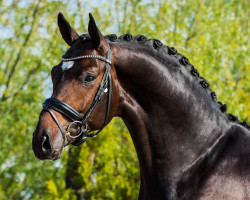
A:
[73,115]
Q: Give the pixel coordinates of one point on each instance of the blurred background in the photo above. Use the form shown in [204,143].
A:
[214,35]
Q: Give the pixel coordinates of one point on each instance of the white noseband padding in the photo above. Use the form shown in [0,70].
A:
[67,65]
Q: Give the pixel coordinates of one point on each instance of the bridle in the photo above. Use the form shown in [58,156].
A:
[74,116]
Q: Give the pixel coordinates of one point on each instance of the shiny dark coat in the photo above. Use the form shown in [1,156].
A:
[188,147]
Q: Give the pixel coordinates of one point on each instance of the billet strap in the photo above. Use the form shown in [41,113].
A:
[105,83]
[108,109]
[99,93]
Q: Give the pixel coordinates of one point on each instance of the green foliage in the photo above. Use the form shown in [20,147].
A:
[106,167]
[214,35]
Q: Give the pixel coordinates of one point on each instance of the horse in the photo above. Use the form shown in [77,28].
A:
[187,145]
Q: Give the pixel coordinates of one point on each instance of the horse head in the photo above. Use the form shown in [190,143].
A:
[83,92]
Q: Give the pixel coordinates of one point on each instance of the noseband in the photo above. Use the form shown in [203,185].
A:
[74,116]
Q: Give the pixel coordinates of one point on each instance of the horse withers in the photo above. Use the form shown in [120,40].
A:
[187,145]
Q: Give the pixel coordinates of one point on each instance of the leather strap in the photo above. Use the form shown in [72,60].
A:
[71,113]
[108,108]
[63,108]
[57,122]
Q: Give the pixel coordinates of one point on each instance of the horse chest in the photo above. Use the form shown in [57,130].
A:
[222,184]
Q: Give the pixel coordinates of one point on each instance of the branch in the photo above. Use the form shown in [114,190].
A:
[8,62]
[175,21]
[192,35]
[33,71]
[125,7]
[81,14]
[14,66]
[117,13]
[134,7]
[18,33]
[26,81]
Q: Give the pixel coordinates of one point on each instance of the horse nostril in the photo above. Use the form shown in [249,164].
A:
[46,146]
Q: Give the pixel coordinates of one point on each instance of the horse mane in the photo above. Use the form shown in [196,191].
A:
[179,58]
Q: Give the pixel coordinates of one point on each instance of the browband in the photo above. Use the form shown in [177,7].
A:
[87,56]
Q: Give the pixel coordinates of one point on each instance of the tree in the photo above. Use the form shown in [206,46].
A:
[212,34]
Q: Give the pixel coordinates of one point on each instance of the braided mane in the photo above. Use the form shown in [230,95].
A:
[171,51]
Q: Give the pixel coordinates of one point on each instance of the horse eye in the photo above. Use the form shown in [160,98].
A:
[89,78]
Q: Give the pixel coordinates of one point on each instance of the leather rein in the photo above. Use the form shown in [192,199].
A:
[73,115]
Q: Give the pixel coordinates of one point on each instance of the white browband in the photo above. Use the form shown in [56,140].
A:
[86,57]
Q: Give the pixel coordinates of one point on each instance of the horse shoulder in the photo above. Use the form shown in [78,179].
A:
[229,179]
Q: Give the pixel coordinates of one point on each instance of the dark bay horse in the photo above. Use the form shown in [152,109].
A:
[188,146]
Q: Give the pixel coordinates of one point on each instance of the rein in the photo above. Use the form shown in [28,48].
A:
[73,115]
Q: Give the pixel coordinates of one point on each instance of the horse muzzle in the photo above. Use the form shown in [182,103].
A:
[43,147]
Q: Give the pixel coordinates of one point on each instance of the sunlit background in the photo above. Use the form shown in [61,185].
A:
[214,35]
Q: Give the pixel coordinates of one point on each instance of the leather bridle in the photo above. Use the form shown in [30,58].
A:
[73,115]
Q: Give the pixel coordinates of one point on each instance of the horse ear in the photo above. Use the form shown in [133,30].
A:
[68,33]
[95,34]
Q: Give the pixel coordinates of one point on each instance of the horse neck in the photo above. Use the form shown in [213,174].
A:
[171,119]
